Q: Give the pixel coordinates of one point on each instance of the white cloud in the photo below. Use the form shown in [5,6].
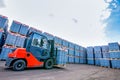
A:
[105,14]
[108,1]
[2,4]
[87,31]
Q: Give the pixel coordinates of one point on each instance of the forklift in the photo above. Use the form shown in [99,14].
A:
[37,52]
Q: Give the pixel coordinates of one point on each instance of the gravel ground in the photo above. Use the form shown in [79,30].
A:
[71,72]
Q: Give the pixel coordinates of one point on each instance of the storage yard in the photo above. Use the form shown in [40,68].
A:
[90,63]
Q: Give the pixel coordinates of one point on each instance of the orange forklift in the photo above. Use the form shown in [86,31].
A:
[38,51]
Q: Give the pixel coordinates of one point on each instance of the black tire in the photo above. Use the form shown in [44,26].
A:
[48,64]
[19,65]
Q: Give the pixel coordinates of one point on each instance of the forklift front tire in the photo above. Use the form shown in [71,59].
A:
[48,64]
[19,65]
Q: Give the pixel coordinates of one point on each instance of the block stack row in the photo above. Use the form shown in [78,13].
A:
[114,51]
[16,37]
[3,30]
[98,55]
[59,51]
[49,36]
[77,54]
[106,56]
[71,53]
[90,56]
[65,45]
[32,29]
[83,55]
[105,61]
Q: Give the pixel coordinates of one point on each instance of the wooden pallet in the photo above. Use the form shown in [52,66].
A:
[2,59]
[60,65]
[105,66]
[116,68]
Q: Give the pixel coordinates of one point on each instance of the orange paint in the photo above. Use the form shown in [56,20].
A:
[21,53]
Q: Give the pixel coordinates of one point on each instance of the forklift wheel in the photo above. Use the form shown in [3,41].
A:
[19,65]
[48,64]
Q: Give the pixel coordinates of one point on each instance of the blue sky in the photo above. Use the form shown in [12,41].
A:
[112,29]
[85,22]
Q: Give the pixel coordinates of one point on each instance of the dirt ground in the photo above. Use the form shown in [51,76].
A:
[71,72]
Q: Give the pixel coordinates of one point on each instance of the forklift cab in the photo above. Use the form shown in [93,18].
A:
[39,46]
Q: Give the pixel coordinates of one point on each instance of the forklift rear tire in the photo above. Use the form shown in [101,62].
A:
[19,65]
[48,64]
